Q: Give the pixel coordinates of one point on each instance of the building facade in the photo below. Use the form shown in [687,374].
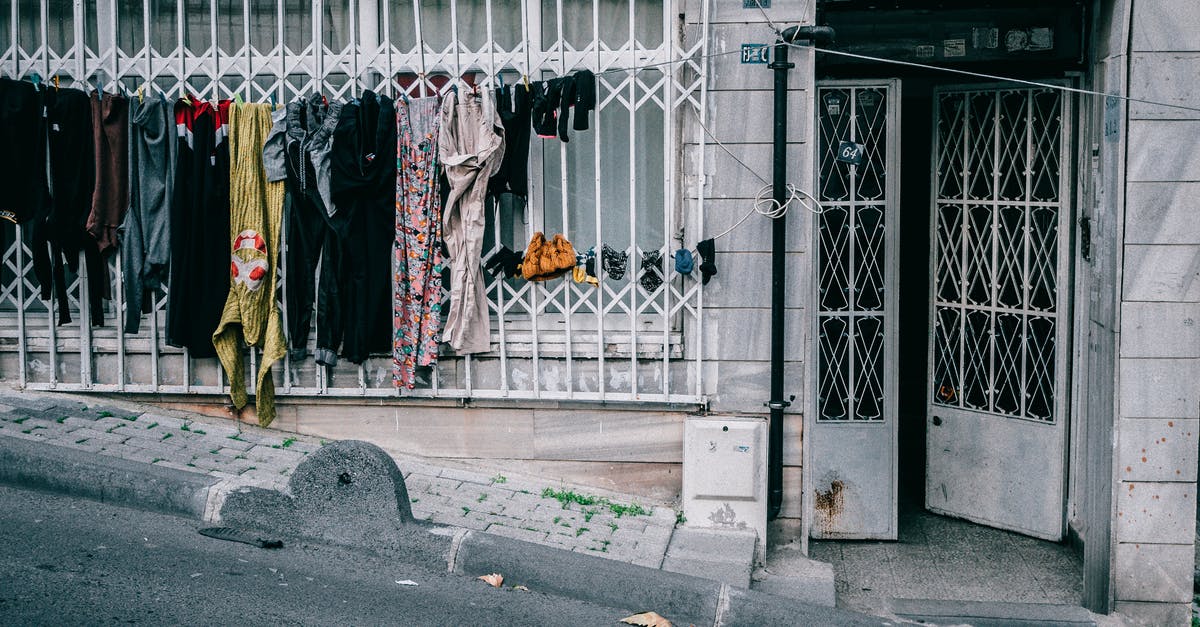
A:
[992,307]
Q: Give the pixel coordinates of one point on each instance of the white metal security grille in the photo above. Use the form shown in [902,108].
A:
[997,261]
[855,305]
[616,183]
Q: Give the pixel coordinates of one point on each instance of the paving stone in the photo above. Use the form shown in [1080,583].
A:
[92,434]
[91,446]
[236,443]
[517,533]
[136,454]
[159,420]
[176,465]
[465,475]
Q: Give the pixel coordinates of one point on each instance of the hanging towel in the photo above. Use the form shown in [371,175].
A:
[471,146]
[256,215]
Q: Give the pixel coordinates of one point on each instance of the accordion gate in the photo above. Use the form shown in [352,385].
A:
[618,183]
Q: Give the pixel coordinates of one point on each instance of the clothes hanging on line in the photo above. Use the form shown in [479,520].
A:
[199,226]
[110,126]
[145,232]
[251,311]
[310,238]
[553,100]
[363,186]
[471,145]
[417,262]
[22,161]
[513,105]
[60,235]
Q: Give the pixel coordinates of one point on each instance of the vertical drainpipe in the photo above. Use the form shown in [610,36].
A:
[780,66]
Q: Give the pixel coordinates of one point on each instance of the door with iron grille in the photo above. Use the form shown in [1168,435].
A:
[996,422]
[851,472]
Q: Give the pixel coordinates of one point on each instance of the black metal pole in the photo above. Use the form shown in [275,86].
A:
[779,63]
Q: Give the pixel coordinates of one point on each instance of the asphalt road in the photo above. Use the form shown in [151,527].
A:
[68,561]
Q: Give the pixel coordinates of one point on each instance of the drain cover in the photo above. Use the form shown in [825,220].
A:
[241,535]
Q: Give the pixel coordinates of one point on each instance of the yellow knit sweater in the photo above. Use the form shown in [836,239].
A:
[256,214]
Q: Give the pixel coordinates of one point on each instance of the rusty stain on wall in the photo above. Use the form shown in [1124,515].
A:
[829,503]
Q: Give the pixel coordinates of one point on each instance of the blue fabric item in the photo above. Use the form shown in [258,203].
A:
[684,263]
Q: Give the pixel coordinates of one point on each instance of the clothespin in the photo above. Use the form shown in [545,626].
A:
[500,81]
[237,99]
[96,79]
[526,80]
[35,78]
[272,101]
[187,100]
[56,82]
[140,92]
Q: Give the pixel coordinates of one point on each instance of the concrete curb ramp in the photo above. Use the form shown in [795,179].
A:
[352,494]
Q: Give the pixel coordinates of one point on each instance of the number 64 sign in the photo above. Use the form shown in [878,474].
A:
[850,152]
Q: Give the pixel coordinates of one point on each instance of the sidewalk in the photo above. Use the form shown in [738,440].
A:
[568,517]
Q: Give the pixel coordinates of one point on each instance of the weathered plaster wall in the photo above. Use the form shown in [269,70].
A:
[1158,413]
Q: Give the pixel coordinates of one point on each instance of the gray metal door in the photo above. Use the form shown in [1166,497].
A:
[996,431]
[850,475]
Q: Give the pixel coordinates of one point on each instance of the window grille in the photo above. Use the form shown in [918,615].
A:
[618,183]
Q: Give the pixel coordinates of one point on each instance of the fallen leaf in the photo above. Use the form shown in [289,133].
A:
[495,579]
[406,582]
[647,619]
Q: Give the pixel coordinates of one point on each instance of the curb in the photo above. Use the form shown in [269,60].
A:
[53,468]
[680,598]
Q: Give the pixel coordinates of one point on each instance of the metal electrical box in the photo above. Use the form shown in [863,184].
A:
[725,473]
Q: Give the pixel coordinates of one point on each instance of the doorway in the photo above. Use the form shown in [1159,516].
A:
[971,263]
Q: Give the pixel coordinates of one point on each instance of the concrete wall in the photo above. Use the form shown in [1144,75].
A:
[1158,414]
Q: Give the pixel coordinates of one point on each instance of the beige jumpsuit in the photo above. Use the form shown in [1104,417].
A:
[471,147]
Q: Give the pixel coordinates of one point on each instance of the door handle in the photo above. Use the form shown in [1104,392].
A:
[937,421]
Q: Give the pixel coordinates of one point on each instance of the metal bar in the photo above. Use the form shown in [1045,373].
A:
[535,210]
[669,72]
[421,50]
[633,240]
[963,244]
[497,232]
[598,247]
[564,208]
[249,48]
[851,271]
[45,49]
[1027,217]
[19,275]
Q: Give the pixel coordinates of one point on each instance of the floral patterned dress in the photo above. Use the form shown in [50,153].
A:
[417,254]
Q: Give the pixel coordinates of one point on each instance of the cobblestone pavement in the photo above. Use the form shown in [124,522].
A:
[568,517]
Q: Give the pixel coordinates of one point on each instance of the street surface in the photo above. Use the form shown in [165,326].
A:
[73,561]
